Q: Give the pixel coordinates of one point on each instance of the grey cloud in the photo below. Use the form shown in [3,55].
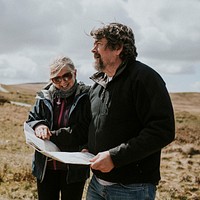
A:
[34,32]
[170,38]
[29,24]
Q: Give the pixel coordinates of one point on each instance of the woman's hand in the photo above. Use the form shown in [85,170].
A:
[43,132]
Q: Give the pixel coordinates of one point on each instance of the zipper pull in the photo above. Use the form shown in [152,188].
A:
[58,102]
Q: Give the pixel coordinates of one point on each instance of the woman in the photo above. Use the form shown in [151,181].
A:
[61,115]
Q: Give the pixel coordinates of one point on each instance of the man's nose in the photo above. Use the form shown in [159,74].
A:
[94,49]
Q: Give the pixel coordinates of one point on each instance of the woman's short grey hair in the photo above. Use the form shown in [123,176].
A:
[59,64]
[63,62]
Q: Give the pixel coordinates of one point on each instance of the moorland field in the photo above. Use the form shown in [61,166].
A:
[180,164]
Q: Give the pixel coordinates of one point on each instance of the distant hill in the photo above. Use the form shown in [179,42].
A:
[189,101]
[25,87]
[23,93]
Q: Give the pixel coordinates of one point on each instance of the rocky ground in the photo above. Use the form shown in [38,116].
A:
[180,160]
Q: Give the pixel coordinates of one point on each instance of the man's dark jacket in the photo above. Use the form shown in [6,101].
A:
[42,113]
[132,117]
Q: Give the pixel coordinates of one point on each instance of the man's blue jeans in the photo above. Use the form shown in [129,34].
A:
[96,191]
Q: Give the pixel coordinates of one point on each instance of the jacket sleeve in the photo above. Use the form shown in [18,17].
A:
[39,114]
[155,114]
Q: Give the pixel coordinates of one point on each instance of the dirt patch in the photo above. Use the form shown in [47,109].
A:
[179,165]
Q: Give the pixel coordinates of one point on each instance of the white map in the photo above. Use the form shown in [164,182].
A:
[49,149]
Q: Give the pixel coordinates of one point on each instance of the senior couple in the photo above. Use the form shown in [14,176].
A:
[125,118]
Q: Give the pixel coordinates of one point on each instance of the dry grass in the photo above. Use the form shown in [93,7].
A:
[180,160]
[16,181]
[22,93]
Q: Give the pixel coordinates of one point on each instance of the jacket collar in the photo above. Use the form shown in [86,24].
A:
[102,79]
[47,92]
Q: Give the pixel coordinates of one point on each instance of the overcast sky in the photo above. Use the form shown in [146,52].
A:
[34,32]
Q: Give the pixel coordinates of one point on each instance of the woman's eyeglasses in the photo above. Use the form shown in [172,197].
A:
[66,77]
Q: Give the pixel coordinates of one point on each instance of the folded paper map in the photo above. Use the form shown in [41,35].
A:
[49,149]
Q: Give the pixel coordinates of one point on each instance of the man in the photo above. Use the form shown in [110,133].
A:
[132,119]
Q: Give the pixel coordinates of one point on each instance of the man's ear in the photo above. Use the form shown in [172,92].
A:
[119,49]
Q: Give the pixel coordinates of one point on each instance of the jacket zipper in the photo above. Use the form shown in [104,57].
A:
[71,110]
[44,170]
[67,177]
[45,164]
[59,122]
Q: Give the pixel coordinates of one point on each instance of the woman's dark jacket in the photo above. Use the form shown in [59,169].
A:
[132,117]
[42,113]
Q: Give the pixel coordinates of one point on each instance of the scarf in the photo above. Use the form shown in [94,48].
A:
[57,93]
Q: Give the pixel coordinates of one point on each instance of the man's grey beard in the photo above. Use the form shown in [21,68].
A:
[99,66]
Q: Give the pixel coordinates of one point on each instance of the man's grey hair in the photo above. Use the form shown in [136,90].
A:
[117,35]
